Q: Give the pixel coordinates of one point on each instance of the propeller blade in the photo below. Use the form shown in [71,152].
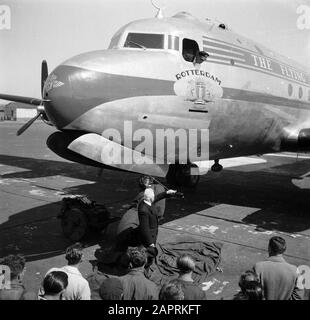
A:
[44,74]
[28,124]
[27,100]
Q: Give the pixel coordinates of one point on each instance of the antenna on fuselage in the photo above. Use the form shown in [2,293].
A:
[160,13]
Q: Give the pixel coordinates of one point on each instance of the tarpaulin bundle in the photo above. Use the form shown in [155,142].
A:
[207,256]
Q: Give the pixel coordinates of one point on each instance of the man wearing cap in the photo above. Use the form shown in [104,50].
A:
[278,277]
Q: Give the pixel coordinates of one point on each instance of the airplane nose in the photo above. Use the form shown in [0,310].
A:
[92,79]
[57,90]
[67,100]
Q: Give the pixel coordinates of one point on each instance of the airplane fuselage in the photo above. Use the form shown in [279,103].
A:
[265,98]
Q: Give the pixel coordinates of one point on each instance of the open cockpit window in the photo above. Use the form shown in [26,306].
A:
[145,41]
[190,50]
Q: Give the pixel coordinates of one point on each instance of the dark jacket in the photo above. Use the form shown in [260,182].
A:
[138,287]
[192,291]
[148,221]
[278,279]
[16,292]
[95,281]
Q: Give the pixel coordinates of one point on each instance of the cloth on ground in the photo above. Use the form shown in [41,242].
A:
[207,256]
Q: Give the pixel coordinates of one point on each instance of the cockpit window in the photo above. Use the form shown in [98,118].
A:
[190,49]
[145,40]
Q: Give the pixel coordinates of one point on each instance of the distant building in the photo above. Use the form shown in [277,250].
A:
[22,113]
[1,112]
[16,111]
[7,112]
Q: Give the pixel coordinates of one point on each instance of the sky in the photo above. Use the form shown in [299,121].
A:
[56,30]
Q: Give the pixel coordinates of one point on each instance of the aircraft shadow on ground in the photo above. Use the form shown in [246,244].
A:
[282,206]
[39,168]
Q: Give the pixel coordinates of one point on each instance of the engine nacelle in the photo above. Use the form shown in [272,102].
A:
[297,142]
[58,142]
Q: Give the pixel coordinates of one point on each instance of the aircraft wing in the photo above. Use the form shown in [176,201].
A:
[102,150]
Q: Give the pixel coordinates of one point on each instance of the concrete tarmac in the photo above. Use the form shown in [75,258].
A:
[242,207]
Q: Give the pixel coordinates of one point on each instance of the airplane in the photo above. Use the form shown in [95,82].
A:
[178,73]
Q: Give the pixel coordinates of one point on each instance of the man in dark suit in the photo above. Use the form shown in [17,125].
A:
[148,220]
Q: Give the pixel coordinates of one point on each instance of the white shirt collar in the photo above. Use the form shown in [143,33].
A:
[147,202]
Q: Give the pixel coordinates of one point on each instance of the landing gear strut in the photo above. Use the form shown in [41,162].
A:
[217,167]
[183,175]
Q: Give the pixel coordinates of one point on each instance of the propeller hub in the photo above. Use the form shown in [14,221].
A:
[40,108]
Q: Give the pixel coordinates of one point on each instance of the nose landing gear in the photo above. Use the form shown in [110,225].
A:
[216,167]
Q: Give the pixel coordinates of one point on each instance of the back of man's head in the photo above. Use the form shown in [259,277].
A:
[185,263]
[74,254]
[172,290]
[111,289]
[16,263]
[277,245]
[55,282]
[137,257]
[247,277]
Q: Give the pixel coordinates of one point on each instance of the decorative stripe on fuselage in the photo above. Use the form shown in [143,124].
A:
[250,96]
[260,63]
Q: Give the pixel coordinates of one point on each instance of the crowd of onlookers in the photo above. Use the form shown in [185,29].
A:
[272,279]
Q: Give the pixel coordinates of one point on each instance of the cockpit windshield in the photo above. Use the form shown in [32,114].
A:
[145,41]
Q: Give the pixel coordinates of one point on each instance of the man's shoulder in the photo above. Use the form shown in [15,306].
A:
[260,263]
[150,283]
[266,264]
[74,275]
[140,279]
[12,294]
[77,279]
[193,290]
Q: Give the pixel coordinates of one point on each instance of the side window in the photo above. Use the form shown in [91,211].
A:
[190,49]
[173,42]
